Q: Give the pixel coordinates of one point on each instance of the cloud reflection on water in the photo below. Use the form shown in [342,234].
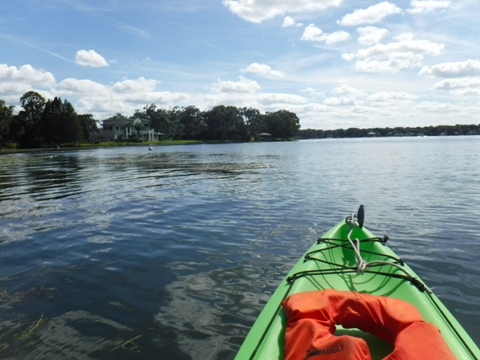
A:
[204,305]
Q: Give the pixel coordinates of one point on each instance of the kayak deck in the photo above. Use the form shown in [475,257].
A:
[331,263]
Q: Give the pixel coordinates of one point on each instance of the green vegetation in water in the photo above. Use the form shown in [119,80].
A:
[31,329]
[126,343]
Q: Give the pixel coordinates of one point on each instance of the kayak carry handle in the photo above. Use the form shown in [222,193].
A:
[361,215]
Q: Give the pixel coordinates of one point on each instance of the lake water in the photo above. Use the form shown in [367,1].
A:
[171,254]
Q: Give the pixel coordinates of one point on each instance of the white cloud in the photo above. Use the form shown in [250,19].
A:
[426,6]
[263,70]
[155,97]
[257,11]
[449,84]
[437,107]
[337,36]
[461,79]
[14,82]
[244,85]
[123,96]
[312,92]
[371,15]
[341,101]
[460,87]
[88,96]
[90,58]
[370,35]
[348,90]
[452,69]
[405,53]
[467,92]
[140,85]
[389,96]
[313,33]
[288,21]
[82,87]
[26,74]
[279,98]
[139,90]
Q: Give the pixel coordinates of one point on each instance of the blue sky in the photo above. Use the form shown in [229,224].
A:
[336,64]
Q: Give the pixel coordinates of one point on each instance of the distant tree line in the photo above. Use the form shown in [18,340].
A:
[54,122]
[440,130]
[43,123]
[221,123]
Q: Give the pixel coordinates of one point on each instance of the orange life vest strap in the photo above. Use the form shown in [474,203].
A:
[312,317]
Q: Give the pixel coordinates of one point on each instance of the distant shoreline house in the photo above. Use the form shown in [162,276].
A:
[263,136]
[119,128]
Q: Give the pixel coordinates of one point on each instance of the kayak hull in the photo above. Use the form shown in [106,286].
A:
[330,263]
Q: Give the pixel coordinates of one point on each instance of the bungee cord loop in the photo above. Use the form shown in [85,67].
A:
[361,264]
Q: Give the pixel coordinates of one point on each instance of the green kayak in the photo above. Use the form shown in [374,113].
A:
[357,282]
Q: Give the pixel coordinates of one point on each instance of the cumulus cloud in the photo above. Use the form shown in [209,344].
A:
[257,11]
[26,74]
[263,70]
[370,35]
[348,90]
[137,85]
[453,69]
[14,82]
[461,79]
[450,84]
[460,87]
[90,58]
[279,98]
[426,6]
[371,15]
[312,92]
[82,87]
[244,85]
[437,107]
[288,21]
[341,101]
[88,96]
[122,96]
[313,33]
[407,52]
[337,36]
[389,96]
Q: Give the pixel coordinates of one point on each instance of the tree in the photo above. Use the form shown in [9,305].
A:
[162,120]
[72,131]
[88,125]
[254,121]
[26,124]
[191,120]
[6,115]
[283,124]
[138,126]
[225,123]
[59,123]
[32,104]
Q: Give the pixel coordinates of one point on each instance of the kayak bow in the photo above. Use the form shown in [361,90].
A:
[353,262]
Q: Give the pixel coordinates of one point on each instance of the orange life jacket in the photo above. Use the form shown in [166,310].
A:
[312,317]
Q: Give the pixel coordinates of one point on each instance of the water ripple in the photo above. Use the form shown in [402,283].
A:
[184,245]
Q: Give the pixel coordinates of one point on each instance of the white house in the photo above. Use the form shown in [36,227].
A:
[121,128]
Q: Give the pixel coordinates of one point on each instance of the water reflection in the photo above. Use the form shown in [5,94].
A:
[72,335]
[184,245]
[211,312]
